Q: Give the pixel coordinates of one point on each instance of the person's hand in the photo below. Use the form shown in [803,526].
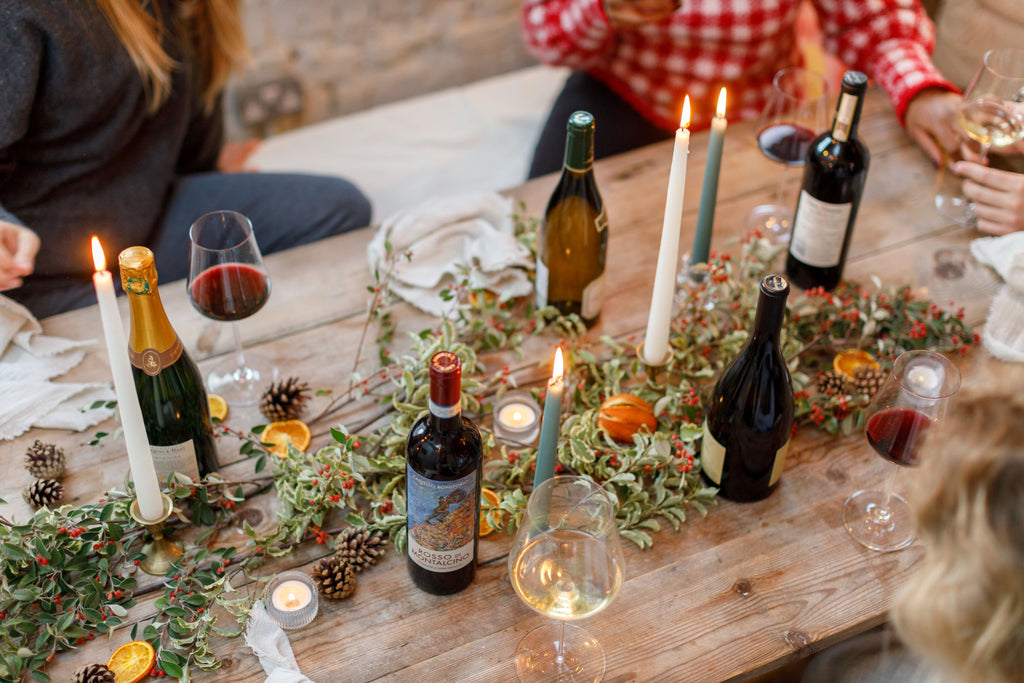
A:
[931,121]
[18,247]
[998,196]
[234,155]
[626,15]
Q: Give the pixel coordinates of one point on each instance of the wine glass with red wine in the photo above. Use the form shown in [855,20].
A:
[912,398]
[227,281]
[795,113]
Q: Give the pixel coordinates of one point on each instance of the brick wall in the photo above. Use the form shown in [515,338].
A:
[315,59]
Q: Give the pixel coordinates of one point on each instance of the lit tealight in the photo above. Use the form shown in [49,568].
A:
[517,418]
[925,380]
[290,600]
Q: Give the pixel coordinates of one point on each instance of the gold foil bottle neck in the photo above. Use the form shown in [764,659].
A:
[138,270]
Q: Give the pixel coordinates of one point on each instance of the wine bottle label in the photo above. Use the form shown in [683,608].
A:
[780,463]
[593,297]
[177,458]
[819,231]
[712,456]
[542,284]
[445,412]
[844,117]
[442,521]
[601,222]
[151,361]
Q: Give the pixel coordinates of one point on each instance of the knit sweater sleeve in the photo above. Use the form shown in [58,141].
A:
[21,53]
[573,33]
[891,40]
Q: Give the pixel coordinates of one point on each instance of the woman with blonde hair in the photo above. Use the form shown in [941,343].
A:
[111,124]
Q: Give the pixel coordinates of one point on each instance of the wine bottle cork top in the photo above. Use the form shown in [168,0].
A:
[774,286]
[855,81]
[138,269]
[445,378]
[580,120]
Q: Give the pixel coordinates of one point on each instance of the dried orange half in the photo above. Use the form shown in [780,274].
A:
[488,501]
[218,406]
[132,661]
[278,434]
[848,362]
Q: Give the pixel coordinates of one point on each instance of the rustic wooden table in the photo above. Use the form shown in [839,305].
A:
[736,594]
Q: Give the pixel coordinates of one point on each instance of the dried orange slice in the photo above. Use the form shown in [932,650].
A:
[848,362]
[488,501]
[218,406]
[278,434]
[132,661]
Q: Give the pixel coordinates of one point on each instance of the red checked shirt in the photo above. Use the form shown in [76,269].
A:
[736,43]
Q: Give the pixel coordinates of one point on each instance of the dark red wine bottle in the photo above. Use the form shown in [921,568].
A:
[230,291]
[747,430]
[837,166]
[444,463]
[895,434]
[175,409]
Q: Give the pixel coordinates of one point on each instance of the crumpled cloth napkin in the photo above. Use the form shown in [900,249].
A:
[447,236]
[1004,327]
[270,643]
[28,361]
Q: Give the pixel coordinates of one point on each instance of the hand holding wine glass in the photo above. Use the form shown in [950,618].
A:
[227,281]
[913,397]
[566,562]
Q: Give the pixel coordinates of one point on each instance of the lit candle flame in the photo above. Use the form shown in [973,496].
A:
[720,111]
[558,371]
[684,120]
[99,259]
[291,599]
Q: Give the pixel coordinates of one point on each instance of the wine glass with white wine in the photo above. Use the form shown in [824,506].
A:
[566,563]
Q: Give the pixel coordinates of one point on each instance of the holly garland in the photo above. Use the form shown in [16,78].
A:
[68,573]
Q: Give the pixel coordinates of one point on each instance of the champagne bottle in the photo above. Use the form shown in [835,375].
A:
[837,166]
[444,463]
[573,238]
[175,409]
[747,430]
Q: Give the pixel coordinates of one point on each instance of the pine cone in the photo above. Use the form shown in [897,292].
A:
[831,382]
[45,460]
[43,492]
[93,673]
[868,381]
[284,400]
[334,577]
[360,548]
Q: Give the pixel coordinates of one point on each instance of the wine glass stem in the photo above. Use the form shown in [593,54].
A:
[881,514]
[560,653]
[239,355]
[984,147]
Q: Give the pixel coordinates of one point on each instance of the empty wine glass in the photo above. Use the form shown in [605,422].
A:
[566,563]
[991,114]
[227,281]
[914,396]
[795,113]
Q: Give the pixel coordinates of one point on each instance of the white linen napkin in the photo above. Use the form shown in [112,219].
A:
[28,361]
[1004,328]
[471,232]
[270,643]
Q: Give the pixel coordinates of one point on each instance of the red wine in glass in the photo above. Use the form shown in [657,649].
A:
[230,291]
[895,433]
[786,143]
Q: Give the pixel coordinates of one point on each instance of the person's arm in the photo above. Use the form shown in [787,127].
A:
[18,248]
[998,196]
[573,33]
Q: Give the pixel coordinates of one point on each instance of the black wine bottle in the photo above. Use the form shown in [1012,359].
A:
[573,238]
[837,166]
[444,463]
[747,430]
[175,409]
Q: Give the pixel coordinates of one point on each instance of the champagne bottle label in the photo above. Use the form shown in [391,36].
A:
[542,284]
[151,361]
[780,463]
[177,458]
[712,456]
[593,296]
[442,521]
[819,231]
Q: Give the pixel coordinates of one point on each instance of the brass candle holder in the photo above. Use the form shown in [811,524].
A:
[653,369]
[160,551]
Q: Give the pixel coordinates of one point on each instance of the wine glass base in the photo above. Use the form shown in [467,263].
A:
[774,221]
[863,518]
[957,208]
[690,290]
[242,385]
[537,657]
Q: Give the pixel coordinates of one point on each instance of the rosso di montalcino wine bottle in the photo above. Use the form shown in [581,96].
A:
[837,166]
[444,458]
[747,430]
[174,405]
[573,238]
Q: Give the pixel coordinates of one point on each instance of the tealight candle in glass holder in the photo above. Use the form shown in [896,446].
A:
[517,418]
[290,600]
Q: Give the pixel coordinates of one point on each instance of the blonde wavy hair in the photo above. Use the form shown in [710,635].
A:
[212,27]
[963,610]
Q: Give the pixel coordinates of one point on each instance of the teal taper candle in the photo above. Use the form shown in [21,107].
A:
[547,452]
[709,192]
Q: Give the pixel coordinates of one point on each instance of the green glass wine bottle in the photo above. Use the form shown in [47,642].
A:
[175,409]
[573,238]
